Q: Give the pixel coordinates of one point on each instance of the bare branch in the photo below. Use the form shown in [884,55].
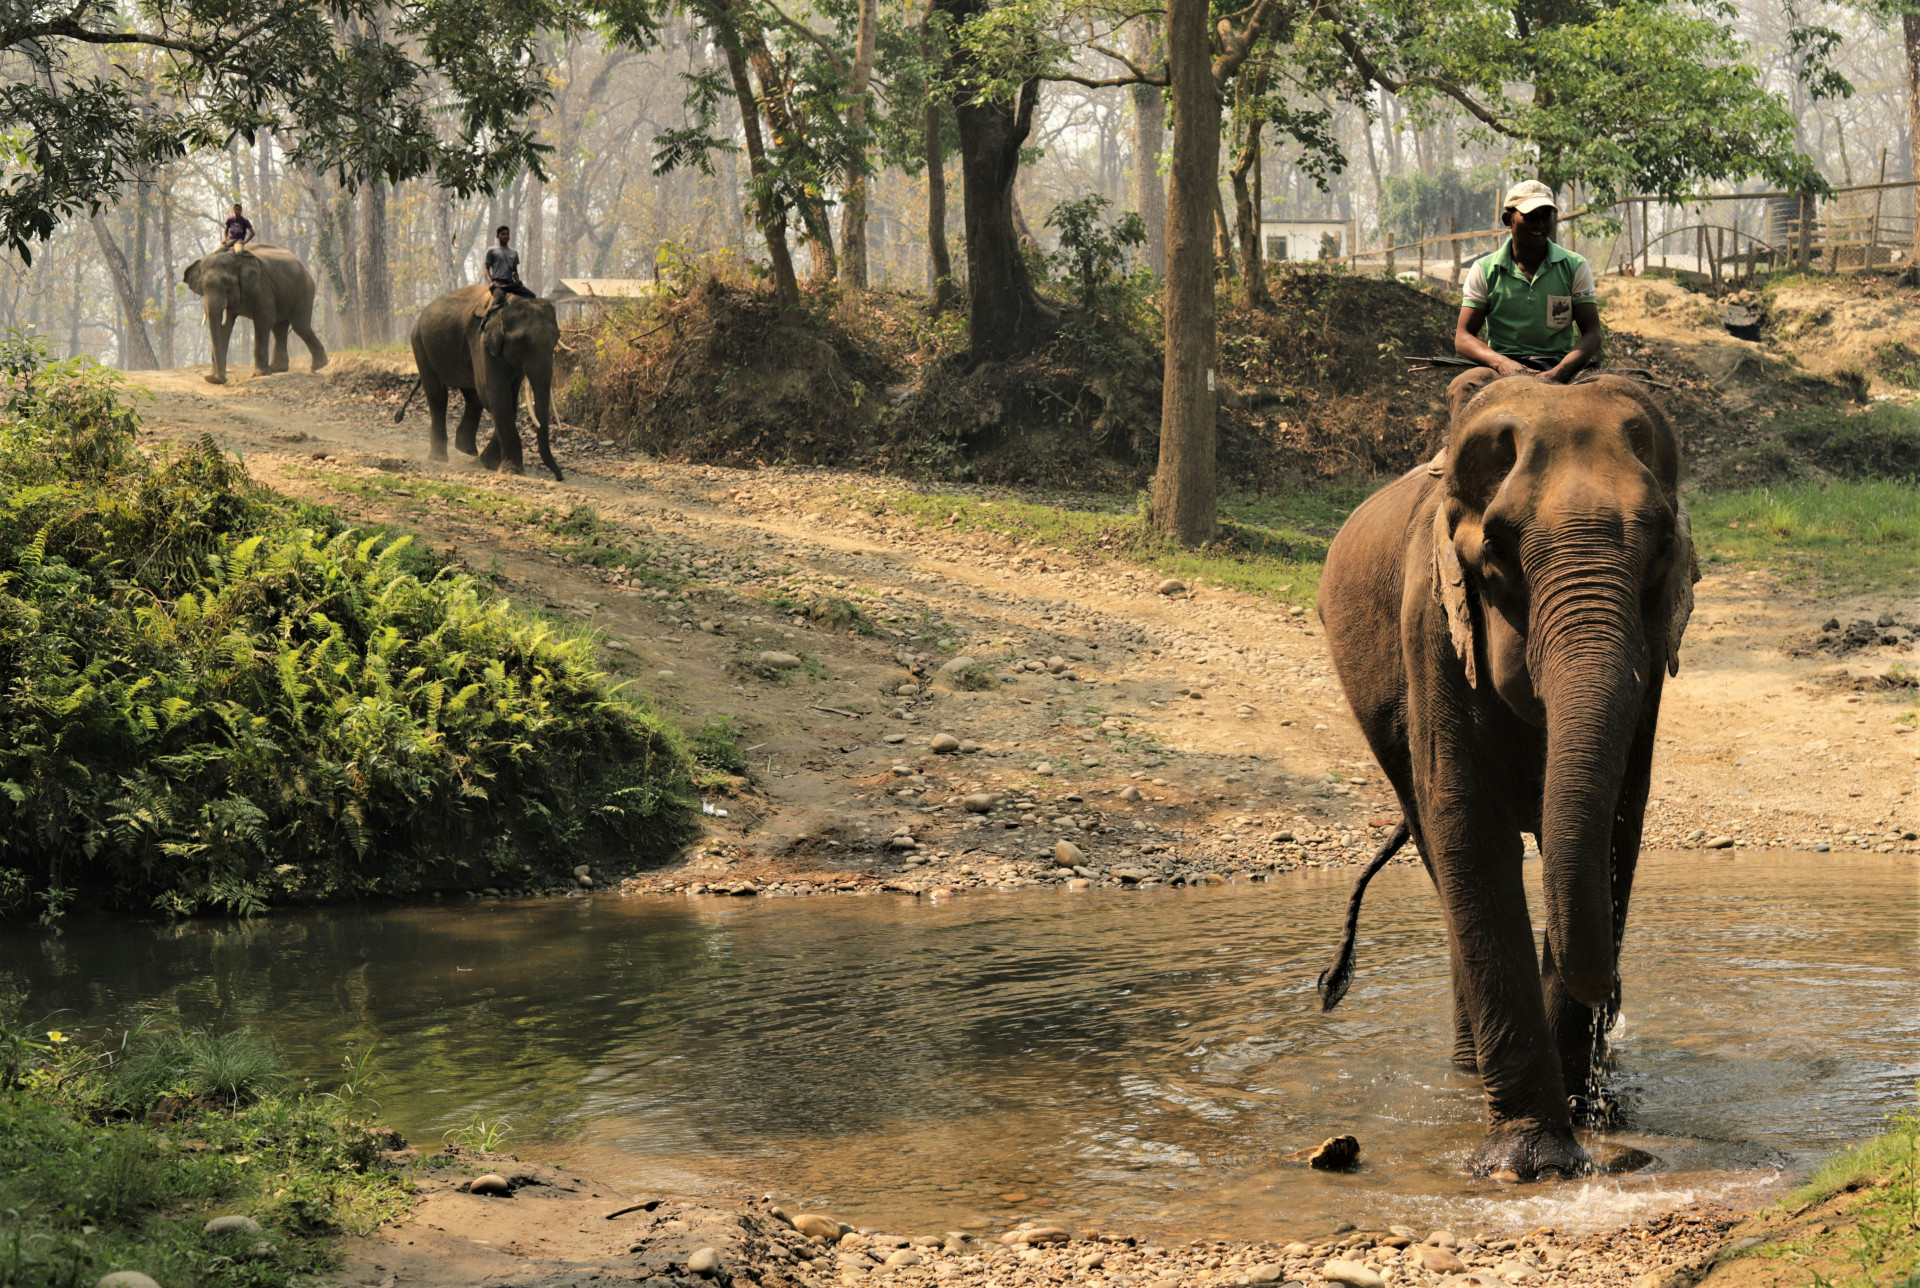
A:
[833,58]
[1369,70]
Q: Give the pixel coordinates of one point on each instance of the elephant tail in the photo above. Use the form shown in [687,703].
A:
[402,413]
[1337,978]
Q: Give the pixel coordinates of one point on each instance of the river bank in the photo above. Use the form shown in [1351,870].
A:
[530,1226]
[808,616]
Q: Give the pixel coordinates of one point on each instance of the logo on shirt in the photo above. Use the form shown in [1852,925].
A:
[1559,311]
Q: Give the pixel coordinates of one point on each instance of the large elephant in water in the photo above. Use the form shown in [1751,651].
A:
[265,283]
[1502,620]
[459,344]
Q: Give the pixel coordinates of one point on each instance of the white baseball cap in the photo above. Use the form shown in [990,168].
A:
[1528,196]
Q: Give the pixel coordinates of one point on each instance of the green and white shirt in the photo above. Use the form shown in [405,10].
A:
[1529,317]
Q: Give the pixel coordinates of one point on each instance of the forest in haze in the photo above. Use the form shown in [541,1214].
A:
[382,144]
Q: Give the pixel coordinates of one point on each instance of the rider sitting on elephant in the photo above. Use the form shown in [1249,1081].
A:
[237,231]
[503,270]
[1529,295]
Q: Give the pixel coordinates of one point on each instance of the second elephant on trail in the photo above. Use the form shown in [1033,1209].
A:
[458,345]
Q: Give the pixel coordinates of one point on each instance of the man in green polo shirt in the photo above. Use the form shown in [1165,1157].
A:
[1530,297]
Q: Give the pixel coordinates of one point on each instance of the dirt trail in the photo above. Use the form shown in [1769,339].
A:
[1262,769]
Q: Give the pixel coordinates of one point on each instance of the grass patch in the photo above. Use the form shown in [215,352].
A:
[1883,1242]
[1841,537]
[212,697]
[1271,544]
[113,1156]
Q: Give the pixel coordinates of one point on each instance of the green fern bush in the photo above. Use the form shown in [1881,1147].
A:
[212,697]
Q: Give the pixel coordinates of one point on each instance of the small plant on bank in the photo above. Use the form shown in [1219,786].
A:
[482,1134]
[716,746]
[1095,251]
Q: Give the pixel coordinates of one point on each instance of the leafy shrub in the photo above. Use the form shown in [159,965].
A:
[211,697]
[1095,251]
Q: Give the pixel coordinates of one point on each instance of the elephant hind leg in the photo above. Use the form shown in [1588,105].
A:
[303,327]
[469,426]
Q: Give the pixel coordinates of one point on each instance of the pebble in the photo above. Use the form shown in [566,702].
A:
[1719,843]
[1440,1261]
[957,665]
[903,771]
[127,1279]
[907,691]
[1068,855]
[1056,664]
[816,1226]
[490,1183]
[1130,794]
[895,738]
[1264,1273]
[943,744]
[903,843]
[1044,769]
[1353,1274]
[905,1257]
[231,1225]
[1171,586]
[779,661]
[980,803]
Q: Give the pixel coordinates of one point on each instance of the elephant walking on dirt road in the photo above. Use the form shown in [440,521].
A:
[459,344]
[1502,621]
[264,283]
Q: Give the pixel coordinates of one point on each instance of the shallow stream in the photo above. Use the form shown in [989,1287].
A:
[1144,1059]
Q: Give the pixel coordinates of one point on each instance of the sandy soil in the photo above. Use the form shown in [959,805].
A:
[1260,768]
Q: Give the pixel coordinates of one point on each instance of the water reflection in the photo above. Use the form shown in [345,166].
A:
[1134,1058]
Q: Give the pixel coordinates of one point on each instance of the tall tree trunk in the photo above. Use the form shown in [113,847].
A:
[1183,489]
[263,221]
[1246,194]
[443,239]
[1222,232]
[771,222]
[1910,28]
[376,284]
[169,311]
[352,334]
[136,352]
[788,134]
[1149,140]
[853,212]
[939,260]
[1005,314]
[536,235]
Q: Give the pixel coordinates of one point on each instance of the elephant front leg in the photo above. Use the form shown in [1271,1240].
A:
[220,334]
[1478,864]
[280,330]
[262,336]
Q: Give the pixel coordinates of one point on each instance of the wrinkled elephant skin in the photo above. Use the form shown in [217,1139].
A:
[267,284]
[457,345]
[1502,620]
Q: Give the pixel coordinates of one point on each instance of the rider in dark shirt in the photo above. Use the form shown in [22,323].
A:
[503,270]
[237,231]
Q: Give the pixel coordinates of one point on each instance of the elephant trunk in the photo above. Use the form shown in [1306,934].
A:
[540,385]
[1591,669]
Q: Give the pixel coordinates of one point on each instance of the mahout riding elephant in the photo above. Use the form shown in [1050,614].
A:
[1502,620]
[265,283]
[458,344]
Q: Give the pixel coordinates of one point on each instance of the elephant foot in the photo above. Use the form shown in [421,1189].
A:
[1528,1153]
[216,380]
[510,467]
[558,477]
[319,363]
[437,454]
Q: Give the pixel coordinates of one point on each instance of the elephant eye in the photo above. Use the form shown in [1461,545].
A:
[1666,545]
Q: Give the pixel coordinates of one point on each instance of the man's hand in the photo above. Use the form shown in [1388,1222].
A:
[1506,366]
[1561,373]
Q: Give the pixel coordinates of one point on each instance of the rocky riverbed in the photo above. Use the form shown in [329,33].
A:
[503,1222]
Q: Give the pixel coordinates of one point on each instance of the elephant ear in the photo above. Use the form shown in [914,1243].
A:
[1451,590]
[1677,595]
[192,277]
